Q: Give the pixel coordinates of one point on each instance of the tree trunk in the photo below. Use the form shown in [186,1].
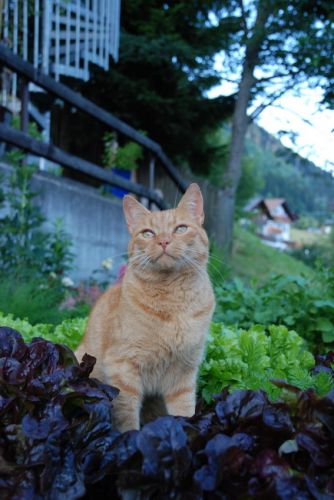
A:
[231,176]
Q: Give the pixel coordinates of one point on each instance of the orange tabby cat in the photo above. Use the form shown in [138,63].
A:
[148,332]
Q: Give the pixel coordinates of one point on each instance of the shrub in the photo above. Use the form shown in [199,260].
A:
[31,299]
[297,302]
[27,250]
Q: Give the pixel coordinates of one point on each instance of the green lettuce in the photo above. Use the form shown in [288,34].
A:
[69,332]
[250,359]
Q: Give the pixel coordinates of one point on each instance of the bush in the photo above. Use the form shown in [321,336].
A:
[26,250]
[300,303]
[31,299]
[58,442]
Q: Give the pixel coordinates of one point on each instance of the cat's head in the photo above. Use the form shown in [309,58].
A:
[168,240]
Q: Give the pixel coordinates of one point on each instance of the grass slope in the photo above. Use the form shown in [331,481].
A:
[253,259]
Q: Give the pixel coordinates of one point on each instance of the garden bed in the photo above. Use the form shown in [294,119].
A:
[57,438]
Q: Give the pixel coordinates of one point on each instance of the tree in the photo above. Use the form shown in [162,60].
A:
[165,68]
[277,43]
[167,64]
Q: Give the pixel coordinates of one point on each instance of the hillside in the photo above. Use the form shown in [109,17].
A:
[308,189]
[252,259]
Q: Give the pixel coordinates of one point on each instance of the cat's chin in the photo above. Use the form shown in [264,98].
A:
[165,261]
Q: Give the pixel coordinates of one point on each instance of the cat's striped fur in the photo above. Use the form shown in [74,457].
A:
[148,332]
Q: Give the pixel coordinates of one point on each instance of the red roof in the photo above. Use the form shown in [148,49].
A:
[268,206]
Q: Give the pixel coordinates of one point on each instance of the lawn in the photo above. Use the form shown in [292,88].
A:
[253,259]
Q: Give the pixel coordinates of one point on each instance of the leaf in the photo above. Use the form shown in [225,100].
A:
[328,336]
[289,446]
[324,325]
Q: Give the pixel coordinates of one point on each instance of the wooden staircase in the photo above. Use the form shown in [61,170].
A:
[42,40]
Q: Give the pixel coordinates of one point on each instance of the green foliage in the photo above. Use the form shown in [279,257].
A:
[26,249]
[249,359]
[308,190]
[306,222]
[252,259]
[32,299]
[69,332]
[125,157]
[251,181]
[237,358]
[159,84]
[300,303]
[33,130]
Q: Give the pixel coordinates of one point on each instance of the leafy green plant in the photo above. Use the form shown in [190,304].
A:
[300,303]
[58,440]
[33,130]
[235,358]
[124,157]
[26,249]
[69,332]
[32,299]
[249,359]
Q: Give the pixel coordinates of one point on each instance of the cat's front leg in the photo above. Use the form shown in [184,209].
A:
[126,411]
[127,405]
[181,400]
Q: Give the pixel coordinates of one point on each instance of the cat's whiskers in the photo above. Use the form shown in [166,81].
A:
[145,262]
[215,268]
[194,265]
[140,260]
[136,258]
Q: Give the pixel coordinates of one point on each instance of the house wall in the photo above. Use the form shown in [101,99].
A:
[279,231]
[95,223]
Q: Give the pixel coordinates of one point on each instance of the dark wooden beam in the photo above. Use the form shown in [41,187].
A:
[23,68]
[27,143]
[24,105]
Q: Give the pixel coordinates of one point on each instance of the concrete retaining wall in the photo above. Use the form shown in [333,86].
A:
[94,222]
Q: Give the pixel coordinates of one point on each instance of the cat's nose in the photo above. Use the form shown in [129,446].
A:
[164,242]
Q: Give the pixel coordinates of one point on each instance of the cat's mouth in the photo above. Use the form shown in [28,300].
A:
[164,255]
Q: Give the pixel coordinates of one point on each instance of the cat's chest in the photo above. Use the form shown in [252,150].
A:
[170,324]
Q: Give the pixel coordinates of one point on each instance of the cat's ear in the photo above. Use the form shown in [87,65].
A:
[133,211]
[192,202]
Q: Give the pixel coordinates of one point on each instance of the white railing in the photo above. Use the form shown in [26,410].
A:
[58,37]
[61,37]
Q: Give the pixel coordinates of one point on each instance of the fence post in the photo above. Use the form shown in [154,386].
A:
[151,178]
[24,105]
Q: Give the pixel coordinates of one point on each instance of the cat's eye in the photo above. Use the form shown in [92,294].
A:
[181,229]
[147,233]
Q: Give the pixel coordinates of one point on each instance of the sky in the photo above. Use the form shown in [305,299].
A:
[313,128]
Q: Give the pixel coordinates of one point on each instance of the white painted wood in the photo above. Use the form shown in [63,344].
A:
[67,34]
